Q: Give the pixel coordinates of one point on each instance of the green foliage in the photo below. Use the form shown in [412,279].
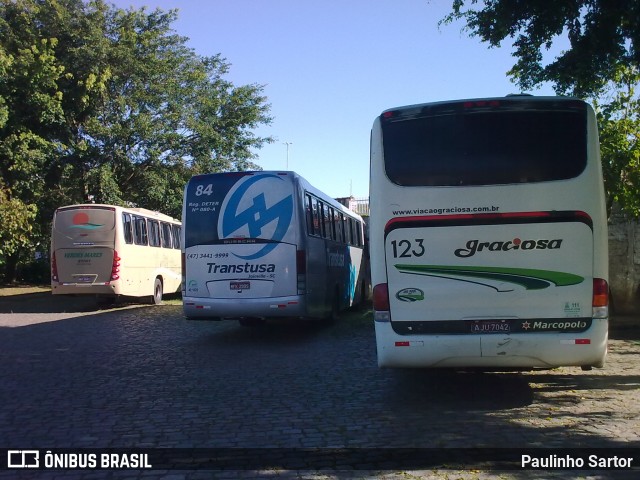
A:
[602,34]
[96,100]
[601,64]
[619,128]
[16,220]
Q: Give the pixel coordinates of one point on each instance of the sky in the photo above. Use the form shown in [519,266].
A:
[329,67]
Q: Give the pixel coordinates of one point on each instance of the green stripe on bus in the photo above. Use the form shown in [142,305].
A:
[530,278]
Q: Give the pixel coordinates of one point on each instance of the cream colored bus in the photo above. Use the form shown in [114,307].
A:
[113,252]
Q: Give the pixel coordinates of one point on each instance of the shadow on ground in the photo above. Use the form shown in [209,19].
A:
[45,302]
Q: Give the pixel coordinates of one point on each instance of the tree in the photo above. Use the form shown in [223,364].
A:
[165,114]
[16,220]
[96,100]
[618,114]
[603,34]
[602,64]
[32,112]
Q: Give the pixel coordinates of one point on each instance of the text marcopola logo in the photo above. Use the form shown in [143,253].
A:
[247,214]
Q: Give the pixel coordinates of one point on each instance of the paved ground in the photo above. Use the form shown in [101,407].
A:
[77,377]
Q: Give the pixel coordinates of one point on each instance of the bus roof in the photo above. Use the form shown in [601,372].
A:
[139,210]
[490,102]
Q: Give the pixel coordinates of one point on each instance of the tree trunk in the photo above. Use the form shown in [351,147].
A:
[11,268]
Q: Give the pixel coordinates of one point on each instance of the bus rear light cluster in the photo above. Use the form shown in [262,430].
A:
[600,298]
[115,268]
[54,268]
[381,303]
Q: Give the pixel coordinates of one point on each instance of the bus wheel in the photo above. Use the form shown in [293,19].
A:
[156,298]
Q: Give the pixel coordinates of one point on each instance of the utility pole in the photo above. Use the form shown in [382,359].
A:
[287,144]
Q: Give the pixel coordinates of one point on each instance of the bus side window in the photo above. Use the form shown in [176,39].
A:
[176,230]
[316,216]
[126,228]
[165,234]
[140,231]
[354,227]
[154,233]
[337,223]
[320,220]
[332,225]
[308,214]
[347,230]
[359,233]
[326,221]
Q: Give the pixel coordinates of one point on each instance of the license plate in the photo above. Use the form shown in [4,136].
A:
[490,326]
[83,279]
[240,285]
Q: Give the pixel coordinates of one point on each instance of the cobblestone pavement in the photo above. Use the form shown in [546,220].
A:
[145,377]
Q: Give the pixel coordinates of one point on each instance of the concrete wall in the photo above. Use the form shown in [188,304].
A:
[624,264]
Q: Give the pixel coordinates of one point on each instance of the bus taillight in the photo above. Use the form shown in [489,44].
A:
[301,270]
[115,268]
[600,298]
[381,303]
[54,267]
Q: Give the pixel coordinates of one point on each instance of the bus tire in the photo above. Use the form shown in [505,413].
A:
[156,298]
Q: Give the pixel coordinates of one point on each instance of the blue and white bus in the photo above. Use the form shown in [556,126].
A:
[488,234]
[268,244]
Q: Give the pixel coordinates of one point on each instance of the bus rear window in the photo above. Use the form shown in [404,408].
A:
[489,147]
[91,225]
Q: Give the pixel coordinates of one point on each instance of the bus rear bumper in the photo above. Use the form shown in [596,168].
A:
[83,289]
[204,308]
[500,351]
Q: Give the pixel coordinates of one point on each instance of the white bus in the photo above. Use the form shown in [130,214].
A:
[488,235]
[268,244]
[114,252]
